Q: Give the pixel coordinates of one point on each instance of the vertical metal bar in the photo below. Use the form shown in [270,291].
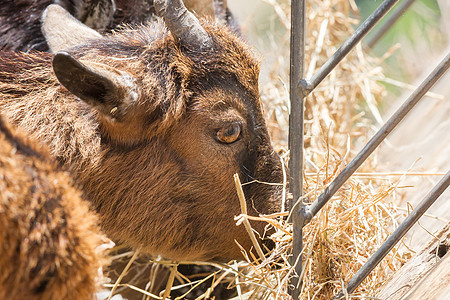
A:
[397,12]
[376,140]
[297,56]
[395,237]
[296,99]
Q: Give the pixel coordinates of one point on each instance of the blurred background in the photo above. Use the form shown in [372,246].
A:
[418,37]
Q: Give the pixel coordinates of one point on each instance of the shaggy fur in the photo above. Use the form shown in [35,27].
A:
[152,168]
[48,238]
[20,25]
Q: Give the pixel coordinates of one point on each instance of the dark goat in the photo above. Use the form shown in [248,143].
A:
[20,20]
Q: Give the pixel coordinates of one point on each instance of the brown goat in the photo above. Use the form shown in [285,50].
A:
[152,126]
[49,240]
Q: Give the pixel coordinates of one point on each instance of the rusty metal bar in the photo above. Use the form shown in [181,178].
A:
[394,120]
[297,57]
[397,12]
[395,237]
[348,45]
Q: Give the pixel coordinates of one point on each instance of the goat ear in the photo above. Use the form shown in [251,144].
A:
[62,31]
[110,92]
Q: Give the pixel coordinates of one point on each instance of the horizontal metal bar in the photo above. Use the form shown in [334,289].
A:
[348,45]
[395,237]
[396,13]
[394,120]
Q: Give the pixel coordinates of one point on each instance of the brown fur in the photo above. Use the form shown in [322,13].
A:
[154,171]
[48,237]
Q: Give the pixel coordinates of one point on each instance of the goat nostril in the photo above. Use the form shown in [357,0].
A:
[442,250]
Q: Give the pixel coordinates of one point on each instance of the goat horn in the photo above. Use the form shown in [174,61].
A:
[183,25]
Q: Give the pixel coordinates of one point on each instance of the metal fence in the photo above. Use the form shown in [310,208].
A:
[299,89]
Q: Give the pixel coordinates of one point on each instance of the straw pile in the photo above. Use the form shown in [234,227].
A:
[339,117]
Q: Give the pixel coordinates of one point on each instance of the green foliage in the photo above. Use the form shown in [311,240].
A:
[416,30]
[416,34]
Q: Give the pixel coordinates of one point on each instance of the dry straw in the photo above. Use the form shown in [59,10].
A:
[340,115]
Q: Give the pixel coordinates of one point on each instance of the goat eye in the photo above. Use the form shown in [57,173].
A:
[229,134]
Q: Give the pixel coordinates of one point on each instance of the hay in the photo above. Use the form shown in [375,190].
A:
[345,102]
[336,244]
[340,115]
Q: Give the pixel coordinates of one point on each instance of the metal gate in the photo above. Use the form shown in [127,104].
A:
[300,87]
